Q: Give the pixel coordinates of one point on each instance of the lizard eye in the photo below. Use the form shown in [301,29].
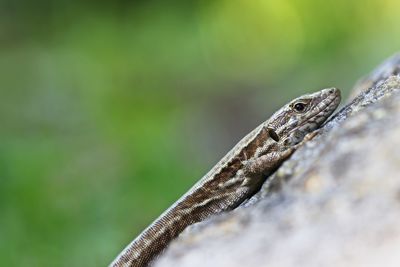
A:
[299,107]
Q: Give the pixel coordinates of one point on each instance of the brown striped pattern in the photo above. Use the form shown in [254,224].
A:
[236,177]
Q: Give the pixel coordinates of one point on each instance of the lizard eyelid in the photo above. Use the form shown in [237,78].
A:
[273,134]
[299,106]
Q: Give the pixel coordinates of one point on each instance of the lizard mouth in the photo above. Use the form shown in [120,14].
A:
[329,106]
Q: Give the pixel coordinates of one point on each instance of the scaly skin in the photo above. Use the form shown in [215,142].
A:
[237,176]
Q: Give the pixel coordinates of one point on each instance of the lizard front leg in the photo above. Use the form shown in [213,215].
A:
[263,164]
[271,160]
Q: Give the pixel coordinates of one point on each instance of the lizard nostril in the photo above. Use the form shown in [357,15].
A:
[331,91]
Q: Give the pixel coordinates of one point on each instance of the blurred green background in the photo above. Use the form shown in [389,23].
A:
[111,110]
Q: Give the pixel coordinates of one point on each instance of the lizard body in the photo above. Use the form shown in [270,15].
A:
[237,176]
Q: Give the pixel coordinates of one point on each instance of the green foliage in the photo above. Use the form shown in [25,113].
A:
[111,110]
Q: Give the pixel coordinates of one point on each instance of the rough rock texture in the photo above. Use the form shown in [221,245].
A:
[336,202]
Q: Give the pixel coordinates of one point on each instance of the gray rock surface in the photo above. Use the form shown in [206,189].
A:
[335,202]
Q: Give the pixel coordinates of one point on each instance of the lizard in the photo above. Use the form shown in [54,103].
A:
[237,176]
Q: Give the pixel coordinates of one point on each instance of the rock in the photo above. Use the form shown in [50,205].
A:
[335,202]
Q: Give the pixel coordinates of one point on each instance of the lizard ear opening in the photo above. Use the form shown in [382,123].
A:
[273,134]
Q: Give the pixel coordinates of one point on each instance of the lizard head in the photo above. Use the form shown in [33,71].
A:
[303,115]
